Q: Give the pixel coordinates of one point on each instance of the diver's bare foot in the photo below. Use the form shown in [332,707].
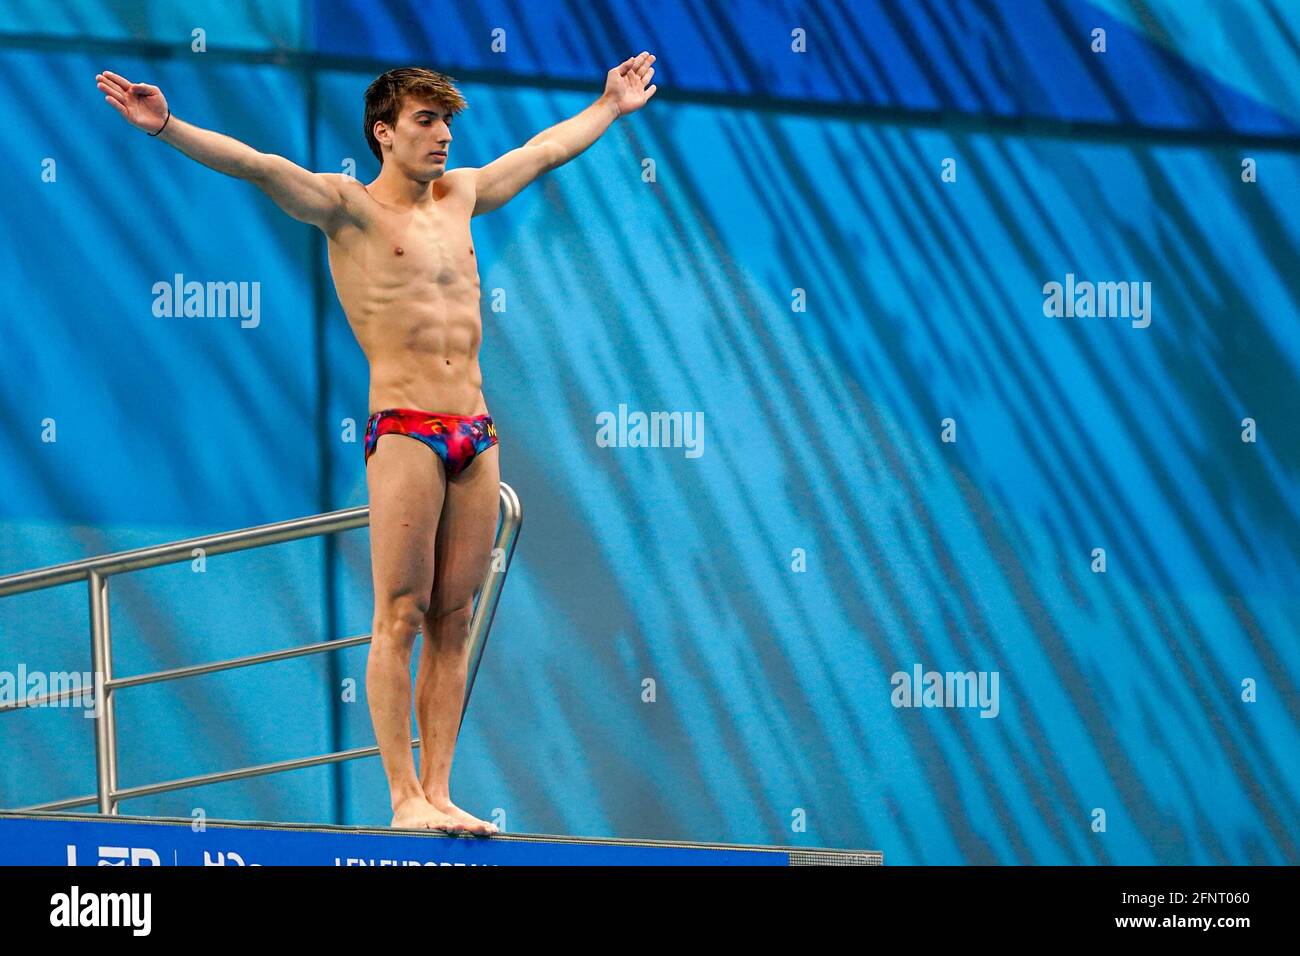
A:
[417,813]
[469,822]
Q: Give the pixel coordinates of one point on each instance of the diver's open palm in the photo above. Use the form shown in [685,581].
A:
[142,105]
[625,85]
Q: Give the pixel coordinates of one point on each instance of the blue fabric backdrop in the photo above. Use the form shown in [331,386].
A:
[773,719]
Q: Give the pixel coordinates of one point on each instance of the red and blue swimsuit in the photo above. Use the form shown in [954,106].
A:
[456,439]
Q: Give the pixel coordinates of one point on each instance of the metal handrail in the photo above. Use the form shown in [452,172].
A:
[160,554]
[96,572]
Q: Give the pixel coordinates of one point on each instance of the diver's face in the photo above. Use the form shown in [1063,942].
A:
[421,138]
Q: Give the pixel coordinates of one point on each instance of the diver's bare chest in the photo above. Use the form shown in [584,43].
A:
[436,249]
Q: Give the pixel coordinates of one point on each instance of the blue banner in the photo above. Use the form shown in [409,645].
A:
[59,842]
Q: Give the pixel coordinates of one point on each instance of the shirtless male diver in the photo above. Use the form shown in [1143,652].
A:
[403,264]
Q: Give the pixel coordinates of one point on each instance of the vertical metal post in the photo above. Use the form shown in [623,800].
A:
[101,652]
[485,609]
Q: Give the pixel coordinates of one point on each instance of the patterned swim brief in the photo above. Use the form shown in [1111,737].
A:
[457,439]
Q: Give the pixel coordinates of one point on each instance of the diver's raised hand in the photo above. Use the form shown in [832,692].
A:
[141,105]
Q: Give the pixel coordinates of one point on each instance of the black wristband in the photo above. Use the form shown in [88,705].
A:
[165,122]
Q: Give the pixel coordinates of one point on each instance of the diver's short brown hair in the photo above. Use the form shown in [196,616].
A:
[384,97]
